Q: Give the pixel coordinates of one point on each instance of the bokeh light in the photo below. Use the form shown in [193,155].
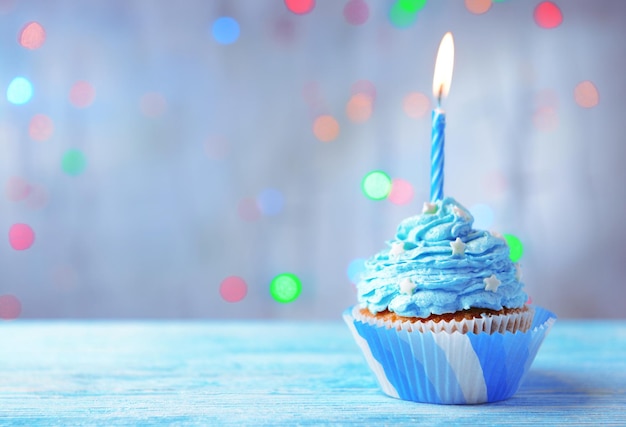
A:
[82,94]
[516,248]
[10,307]
[40,128]
[364,86]
[270,201]
[547,15]
[376,185]
[359,108]
[225,30]
[17,189]
[478,7]
[285,288]
[411,6]
[284,30]
[495,182]
[300,7]
[483,216]
[248,209]
[20,91]
[233,289]
[32,36]
[356,12]
[73,162]
[546,119]
[586,94]
[416,105]
[403,13]
[21,237]
[356,268]
[216,147]
[326,128]
[152,104]
[401,192]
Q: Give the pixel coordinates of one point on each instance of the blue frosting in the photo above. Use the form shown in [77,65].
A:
[443,282]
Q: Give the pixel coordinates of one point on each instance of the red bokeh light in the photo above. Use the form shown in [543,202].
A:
[548,15]
[300,7]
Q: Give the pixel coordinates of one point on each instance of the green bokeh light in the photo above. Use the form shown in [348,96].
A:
[376,185]
[516,249]
[411,6]
[73,162]
[285,287]
[401,15]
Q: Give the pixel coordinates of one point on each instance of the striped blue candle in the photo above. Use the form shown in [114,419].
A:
[436,155]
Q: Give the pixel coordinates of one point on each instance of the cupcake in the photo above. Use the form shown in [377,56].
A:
[442,314]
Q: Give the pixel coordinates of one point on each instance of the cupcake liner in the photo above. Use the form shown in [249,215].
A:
[448,367]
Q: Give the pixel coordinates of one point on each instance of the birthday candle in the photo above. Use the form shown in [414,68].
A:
[441,85]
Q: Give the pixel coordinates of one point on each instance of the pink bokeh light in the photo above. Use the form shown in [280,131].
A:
[10,307]
[21,236]
[401,192]
[356,12]
[233,289]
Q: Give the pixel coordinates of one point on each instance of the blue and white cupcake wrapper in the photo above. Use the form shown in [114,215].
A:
[449,368]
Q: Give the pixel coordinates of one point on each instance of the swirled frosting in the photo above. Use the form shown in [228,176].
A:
[437,263]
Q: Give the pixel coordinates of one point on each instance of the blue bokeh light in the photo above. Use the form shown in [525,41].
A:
[270,201]
[355,269]
[225,30]
[20,91]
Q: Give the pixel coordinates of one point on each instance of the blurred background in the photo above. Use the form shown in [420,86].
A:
[241,159]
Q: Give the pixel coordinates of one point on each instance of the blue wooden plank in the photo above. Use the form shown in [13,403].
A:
[268,373]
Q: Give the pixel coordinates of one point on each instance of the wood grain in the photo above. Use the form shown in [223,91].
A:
[264,373]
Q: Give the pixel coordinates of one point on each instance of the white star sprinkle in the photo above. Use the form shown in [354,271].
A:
[407,286]
[429,208]
[491,283]
[497,235]
[458,247]
[459,212]
[397,248]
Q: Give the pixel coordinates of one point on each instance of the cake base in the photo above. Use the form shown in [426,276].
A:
[473,320]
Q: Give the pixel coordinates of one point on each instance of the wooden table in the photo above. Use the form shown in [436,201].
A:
[264,373]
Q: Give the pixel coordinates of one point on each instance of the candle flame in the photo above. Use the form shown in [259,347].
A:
[443,67]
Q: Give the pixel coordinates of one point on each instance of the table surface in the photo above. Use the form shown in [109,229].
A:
[267,373]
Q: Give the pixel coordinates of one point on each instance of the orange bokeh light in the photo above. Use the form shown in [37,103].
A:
[586,94]
[478,7]
[416,105]
[359,108]
[326,128]
[32,36]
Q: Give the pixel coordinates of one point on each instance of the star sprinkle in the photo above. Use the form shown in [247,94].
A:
[459,212]
[491,283]
[497,235]
[458,247]
[407,286]
[429,208]
[397,248]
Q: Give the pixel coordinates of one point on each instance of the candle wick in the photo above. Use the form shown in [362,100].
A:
[439,95]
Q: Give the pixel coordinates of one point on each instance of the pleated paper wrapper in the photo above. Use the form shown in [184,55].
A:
[415,362]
